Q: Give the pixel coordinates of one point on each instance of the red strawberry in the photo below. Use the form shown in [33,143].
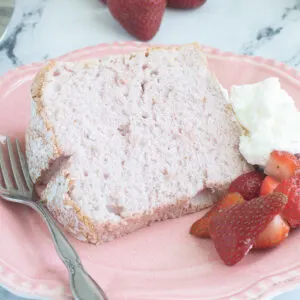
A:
[273,235]
[235,230]
[268,186]
[281,165]
[200,227]
[185,3]
[141,18]
[248,185]
[291,188]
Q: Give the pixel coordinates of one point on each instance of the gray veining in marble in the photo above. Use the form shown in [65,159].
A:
[289,16]
[25,17]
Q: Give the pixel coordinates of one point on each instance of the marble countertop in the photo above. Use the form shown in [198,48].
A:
[6,10]
[43,29]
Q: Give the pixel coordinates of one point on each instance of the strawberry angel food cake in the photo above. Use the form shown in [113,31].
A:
[127,140]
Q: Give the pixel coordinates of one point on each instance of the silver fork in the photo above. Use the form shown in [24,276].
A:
[21,191]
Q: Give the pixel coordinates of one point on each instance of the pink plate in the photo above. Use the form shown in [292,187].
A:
[162,262]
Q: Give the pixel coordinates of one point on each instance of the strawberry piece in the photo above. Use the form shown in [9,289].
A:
[297,155]
[291,188]
[185,3]
[282,165]
[141,18]
[248,185]
[273,235]
[200,227]
[268,186]
[235,230]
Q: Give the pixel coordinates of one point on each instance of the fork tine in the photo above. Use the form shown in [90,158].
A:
[24,166]
[7,181]
[14,165]
[3,191]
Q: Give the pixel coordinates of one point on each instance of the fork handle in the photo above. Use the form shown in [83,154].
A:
[83,286]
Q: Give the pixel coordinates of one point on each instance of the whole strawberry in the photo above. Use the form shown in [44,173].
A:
[248,185]
[141,18]
[185,3]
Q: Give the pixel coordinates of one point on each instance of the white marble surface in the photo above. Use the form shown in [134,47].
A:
[6,9]
[42,29]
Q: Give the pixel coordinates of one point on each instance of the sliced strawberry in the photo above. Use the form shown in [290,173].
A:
[235,229]
[276,232]
[268,186]
[248,185]
[200,227]
[282,165]
[291,188]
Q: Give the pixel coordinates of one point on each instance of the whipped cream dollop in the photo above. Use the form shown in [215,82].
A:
[270,119]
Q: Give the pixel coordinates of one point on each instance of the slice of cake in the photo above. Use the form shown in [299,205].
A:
[130,139]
